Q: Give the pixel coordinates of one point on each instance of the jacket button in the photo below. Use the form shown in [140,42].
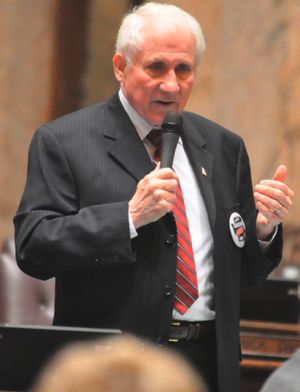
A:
[170,240]
[168,290]
[100,260]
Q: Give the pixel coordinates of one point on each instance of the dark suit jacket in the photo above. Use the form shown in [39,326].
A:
[72,223]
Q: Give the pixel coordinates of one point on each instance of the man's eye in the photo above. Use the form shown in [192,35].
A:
[156,67]
[183,69]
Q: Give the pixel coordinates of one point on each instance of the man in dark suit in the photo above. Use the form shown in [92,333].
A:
[98,216]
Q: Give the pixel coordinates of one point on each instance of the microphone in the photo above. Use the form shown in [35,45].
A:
[171,130]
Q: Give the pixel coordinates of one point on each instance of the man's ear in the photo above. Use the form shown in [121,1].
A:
[119,64]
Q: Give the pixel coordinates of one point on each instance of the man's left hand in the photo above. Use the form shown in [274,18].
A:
[273,200]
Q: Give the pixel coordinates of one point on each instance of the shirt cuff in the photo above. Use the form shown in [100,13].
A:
[266,244]
[132,230]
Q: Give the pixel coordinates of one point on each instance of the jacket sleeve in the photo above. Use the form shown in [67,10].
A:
[257,264]
[52,233]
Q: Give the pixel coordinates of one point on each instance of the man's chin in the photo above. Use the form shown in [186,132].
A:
[157,116]
[156,119]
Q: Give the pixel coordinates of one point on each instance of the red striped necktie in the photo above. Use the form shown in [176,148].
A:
[186,291]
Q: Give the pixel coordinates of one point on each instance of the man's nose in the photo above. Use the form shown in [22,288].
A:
[170,83]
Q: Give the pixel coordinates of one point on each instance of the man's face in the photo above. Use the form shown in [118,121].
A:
[161,76]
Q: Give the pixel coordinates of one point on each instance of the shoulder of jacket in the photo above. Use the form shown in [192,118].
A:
[82,114]
[73,123]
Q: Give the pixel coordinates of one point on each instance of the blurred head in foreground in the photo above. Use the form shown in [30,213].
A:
[122,364]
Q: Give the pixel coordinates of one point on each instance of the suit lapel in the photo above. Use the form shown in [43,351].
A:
[202,163]
[122,141]
[124,145]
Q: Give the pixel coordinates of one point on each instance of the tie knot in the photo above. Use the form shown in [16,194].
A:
[156,139]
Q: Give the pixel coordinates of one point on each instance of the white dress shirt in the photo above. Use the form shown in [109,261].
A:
[202,239]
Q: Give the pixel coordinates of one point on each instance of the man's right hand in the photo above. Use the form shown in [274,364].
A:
[154,197]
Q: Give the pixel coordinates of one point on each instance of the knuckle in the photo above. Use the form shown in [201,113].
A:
[146,179]
[277,193]
[152,188]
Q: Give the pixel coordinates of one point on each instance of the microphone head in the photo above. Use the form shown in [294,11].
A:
[171,131]
[172,123]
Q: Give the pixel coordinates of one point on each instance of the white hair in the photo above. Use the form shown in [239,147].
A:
[131,33]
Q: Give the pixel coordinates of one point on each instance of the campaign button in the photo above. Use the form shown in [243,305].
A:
[237,229]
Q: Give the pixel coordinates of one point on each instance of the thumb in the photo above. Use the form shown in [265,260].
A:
[280,173]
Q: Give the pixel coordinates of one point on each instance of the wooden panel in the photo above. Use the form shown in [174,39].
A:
[265,346]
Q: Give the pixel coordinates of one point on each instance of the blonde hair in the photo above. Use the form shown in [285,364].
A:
[124,364]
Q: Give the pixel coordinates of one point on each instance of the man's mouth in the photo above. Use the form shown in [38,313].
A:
[165,103]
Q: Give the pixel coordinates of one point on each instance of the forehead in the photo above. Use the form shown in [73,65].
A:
[167,43]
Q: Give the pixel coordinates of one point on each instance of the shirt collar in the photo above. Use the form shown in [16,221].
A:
[142,126]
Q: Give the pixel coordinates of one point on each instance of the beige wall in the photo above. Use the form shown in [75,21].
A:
[249,81]
[105,19]
[26,42]
[34,76]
